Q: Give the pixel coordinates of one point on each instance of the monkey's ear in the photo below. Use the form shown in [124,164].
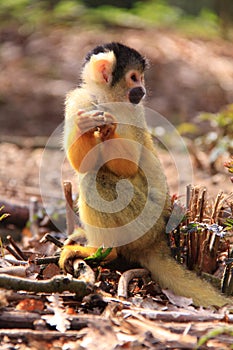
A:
[101,67]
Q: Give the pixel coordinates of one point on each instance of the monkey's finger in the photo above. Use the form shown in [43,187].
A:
[92,113]
[87,126]
[109,118]
[97,113]
[80,111]
[103,118]
[90,121]
[88,114]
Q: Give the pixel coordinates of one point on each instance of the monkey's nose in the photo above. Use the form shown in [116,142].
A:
[136,94]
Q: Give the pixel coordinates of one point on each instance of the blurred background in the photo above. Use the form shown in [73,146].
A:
[190,80]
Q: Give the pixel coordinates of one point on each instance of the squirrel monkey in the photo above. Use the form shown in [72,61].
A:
[123,200]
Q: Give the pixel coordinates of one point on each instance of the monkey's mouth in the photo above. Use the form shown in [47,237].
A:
[136,94]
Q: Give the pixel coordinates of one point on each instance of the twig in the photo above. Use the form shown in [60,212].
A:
[177,316]
[13,252]
[188,202]
[12,319]
[141,325]
[230,284]
[215,208]
[203,248]
[16,248]
[202,205]
[47,260]
[16,320]
[227,279]
[36,334]
[33,210]
[16,262]
[50,238]
[188,195]
[57,284]
[212,241]
[19,271]
[126,277]
[70,221]
[194,212]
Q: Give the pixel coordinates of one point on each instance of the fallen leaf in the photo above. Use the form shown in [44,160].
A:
[177,299]
[30,305]
[50,271]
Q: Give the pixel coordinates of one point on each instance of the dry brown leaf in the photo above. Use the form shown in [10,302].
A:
[50,271]
[177,299]
[30,305]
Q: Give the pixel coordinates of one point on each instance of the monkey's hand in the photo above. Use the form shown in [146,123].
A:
[92,121]
[107,130]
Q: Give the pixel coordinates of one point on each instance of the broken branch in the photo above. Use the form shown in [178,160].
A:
[57,284]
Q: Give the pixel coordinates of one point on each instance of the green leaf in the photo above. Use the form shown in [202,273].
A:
[214,333]
[99,255]
[3,216]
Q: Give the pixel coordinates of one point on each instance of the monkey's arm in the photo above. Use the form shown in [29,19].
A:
[124,157]
[79,131]
[120,154]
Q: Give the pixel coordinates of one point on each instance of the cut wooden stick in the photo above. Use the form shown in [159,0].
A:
[33,212]
[46,260]
[202,205]
[215,208]
[57,284]
[70,215]
[195,202]
[13,252]
[48,237]
[188,202]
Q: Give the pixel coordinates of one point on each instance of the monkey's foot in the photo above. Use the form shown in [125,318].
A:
[70,253]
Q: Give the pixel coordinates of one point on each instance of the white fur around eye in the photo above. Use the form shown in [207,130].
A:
[133,77]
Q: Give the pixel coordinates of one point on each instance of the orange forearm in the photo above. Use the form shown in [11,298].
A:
[79,149]
[121,156]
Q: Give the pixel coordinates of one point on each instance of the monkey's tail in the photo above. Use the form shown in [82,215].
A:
[171,275]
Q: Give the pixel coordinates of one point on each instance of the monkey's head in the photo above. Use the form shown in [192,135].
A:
[115,72]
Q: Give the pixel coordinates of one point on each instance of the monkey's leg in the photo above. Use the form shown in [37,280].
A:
[171,275]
